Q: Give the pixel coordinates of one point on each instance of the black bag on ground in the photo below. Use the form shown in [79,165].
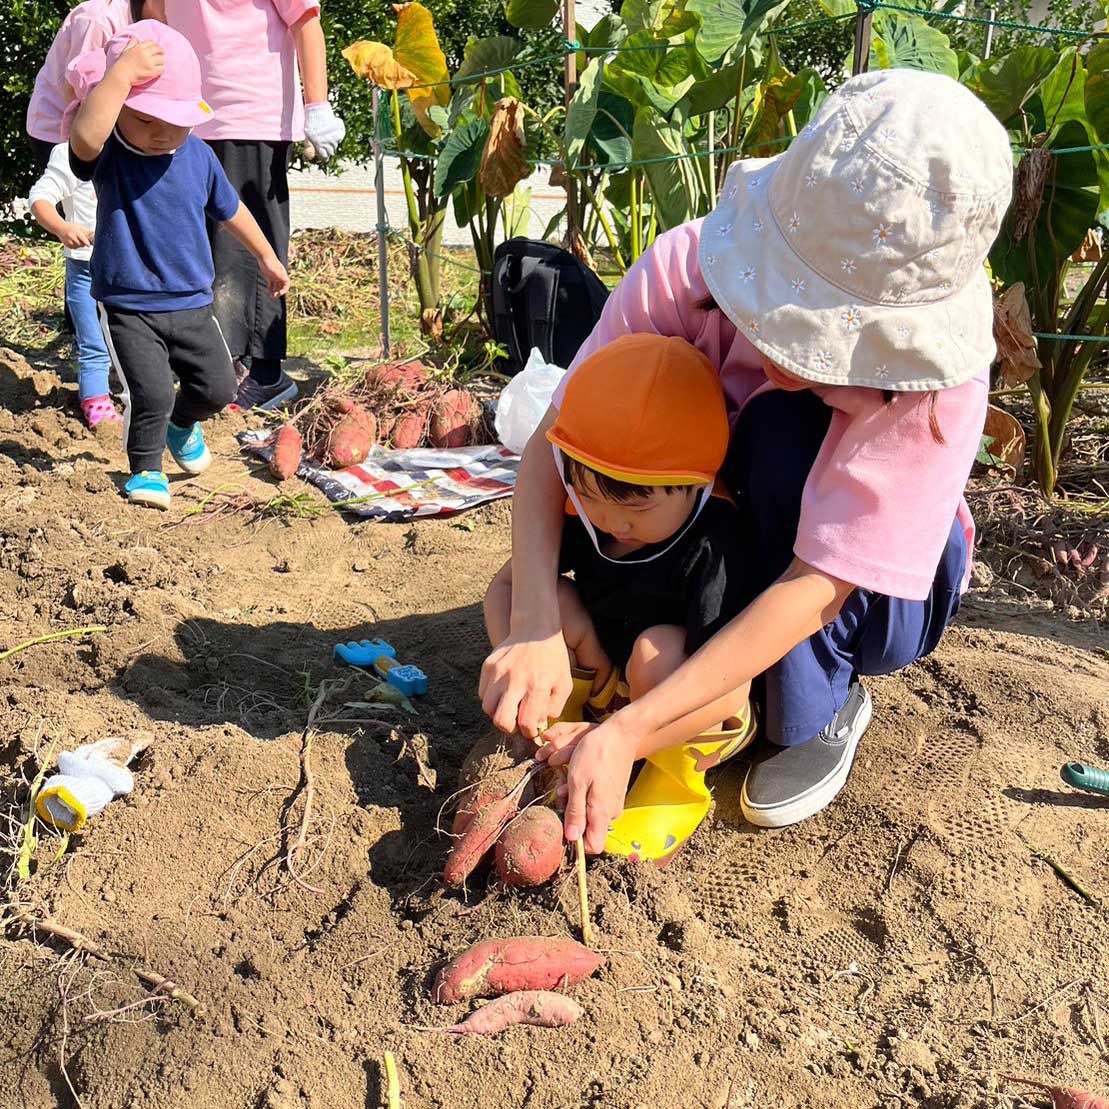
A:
[543,297]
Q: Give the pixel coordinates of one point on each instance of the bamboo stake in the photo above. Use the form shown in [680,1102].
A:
[392,1092]
[583,895]
[79,942]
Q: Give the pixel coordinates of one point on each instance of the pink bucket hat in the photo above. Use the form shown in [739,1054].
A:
[174,97]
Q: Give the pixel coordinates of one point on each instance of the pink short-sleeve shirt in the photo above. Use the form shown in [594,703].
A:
[87,27]
[879,502]
[248,65]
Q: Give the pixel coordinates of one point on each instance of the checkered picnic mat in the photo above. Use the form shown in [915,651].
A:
[400,485]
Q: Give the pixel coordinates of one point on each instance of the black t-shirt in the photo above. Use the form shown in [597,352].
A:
[699,584]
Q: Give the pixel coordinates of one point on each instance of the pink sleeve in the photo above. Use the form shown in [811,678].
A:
[293,11]
[882,495]
[88,34]
[652,297]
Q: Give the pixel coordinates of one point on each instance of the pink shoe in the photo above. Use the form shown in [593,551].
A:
[100,409]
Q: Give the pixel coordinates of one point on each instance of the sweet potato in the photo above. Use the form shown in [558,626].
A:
[491,753]
[1062,1097]
[483,793]
[403,377]
[529,850]
[287,448]
[350,440]
[453,417]
[478,836]
[494,967]
[540,1008]
[410,429]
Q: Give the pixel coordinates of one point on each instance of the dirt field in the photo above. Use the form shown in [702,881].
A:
[906,947]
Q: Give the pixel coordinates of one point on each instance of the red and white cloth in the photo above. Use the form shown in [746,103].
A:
[401,485]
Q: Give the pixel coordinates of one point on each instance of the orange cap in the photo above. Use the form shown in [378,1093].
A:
[645,409]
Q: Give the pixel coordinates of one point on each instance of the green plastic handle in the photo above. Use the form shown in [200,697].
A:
[1085,777]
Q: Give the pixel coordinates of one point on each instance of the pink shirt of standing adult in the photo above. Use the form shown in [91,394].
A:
[248,65]
[87,27]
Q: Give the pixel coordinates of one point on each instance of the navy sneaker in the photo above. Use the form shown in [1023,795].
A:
[789,784]
[186,444]
[150,488]
[265,397]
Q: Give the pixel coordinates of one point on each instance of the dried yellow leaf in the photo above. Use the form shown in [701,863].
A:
[502,163]
[375,62]
[1008,440]
[1017,359]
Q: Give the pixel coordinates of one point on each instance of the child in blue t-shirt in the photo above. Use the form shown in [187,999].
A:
[152,267]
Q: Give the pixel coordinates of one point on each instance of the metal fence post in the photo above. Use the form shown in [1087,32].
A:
[864,17]
[382,229]
[992,13]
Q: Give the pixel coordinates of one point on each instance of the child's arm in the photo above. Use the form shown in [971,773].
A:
[141,61]
[71,235]
[322,127]
[245,228]
[498,605]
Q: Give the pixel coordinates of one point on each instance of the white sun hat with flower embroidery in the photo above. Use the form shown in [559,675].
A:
[856,257]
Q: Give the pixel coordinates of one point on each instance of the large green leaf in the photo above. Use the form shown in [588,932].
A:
[839,7]
[813,93]
[642,53]
[643,92]
[1097,90]
[483,55]
[714,92]
[1063,91]
[531,15]
[675,185]
[582,110]
[908,42]
[460,157]
[1004,84]
[1070,208]
[610,135]
[727,22]
[642,15]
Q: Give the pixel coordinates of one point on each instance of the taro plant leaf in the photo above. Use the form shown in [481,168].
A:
[1062,93]
[723,23]
[1069,209]
[582,110]
[531,15]
[1005,84]
[675,185]
[908,42]
[417,49]
[774,100]
[1097,90]
[609,137]
[483,55]
[502,162]
[643,92]
[813,94]
[641,15]
[838,7]
[460,157]
[641,53]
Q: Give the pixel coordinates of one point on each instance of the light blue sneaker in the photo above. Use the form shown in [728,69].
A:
[186,444]
[150,487]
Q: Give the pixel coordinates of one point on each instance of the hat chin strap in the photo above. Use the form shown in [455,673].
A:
[706,493]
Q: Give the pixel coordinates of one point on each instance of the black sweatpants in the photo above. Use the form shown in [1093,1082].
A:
[40,151]
[253,323]
[149,349]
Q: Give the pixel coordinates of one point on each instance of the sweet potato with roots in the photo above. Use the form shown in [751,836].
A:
[1062,1097]
[453,418]
[539,1008]
[488,791]
[491,753]
[495,967]
[350,440]
[530,849]
[410,428]
[479,835]
[287,449]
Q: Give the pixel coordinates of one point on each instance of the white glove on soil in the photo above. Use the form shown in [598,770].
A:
[88,779]
[323,129]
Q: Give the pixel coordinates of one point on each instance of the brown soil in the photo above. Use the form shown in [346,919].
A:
[905,947]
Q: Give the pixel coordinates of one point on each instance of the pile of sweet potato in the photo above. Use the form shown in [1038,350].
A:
[396,404]
[503,807]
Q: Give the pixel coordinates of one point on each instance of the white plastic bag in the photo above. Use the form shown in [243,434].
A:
[524,401]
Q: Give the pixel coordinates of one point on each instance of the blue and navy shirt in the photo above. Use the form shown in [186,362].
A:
[151,252]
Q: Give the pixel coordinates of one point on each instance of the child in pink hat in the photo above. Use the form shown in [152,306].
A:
[152,272]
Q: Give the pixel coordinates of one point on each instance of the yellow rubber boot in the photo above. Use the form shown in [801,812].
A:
[670,798]
[575,704]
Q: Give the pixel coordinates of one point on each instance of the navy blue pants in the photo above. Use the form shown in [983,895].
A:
[773,449]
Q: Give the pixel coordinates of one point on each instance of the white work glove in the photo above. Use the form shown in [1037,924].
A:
[323,128]
[87,781]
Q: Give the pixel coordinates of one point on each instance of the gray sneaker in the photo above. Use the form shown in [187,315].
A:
[266,397]
[792,783]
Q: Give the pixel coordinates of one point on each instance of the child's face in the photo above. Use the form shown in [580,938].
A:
[150,135]
[652,519]
[783,378]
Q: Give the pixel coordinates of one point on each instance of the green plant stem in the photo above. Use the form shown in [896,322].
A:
[1043,463]
[28,841]
[49,639]
[614,246]
[635,216]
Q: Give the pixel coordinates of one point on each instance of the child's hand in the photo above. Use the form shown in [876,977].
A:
[141,62]
[74,236]
[277,278]
[600,768]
